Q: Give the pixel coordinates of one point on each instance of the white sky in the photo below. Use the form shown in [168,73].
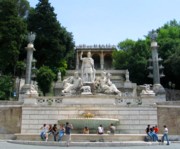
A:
[112,21]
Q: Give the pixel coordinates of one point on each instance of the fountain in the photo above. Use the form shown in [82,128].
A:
[109,95]
[91,123]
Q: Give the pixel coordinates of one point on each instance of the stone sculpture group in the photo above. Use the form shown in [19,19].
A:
[88,79]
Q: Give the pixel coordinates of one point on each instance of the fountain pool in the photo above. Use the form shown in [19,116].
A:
[91,123]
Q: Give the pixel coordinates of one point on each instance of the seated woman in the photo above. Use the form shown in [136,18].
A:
[112,129]
[86,130]
[100,130]
[61,132]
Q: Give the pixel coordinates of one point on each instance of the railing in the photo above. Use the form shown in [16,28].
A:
[49,101]
[172,95]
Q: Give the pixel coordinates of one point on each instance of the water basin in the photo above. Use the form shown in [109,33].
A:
[92,123]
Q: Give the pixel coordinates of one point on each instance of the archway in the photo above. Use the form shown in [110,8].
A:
[96,58]
[107,62]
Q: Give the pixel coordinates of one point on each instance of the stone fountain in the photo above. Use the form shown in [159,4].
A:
[89,121]
[109,95]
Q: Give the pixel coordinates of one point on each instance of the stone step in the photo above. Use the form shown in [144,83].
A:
[7,137]
[86,144]
[87,137]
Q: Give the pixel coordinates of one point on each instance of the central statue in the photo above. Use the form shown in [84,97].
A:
[87,68]
[88,81]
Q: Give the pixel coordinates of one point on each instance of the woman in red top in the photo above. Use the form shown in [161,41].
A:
[156,129]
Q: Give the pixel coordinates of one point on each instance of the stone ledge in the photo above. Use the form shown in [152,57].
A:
[88,137]
[85,144]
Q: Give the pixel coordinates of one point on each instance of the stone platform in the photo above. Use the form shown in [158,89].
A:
[86,144]
[133,119]
[88,137]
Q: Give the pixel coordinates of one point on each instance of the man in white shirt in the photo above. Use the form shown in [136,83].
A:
[100,129]
[165,135]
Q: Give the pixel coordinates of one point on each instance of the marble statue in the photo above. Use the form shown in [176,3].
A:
[32,90]
[72,84]
[87,69]
[105,85]
[147,90]
[59,76]
[127,75]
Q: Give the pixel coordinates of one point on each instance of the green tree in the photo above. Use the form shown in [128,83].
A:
[134,57]
[45,78]
[23,8]
[169,47]
[172,64]
[6,87]
[12,34]
[53,43]
[121,56]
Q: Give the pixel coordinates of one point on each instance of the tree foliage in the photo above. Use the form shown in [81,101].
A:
[6,87]
[169,50]
[45,78]
[133,55]
[53,43]
[13,31]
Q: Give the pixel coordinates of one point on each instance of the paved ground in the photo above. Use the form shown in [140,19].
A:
[6,145]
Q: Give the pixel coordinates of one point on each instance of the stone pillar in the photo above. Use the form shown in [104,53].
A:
[30,48]
[102,60]
[157,87]
[77,60]
[156,77]
[28,90]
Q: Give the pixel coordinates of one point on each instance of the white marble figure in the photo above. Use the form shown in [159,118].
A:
[86,90]
[32,90]
[147,90]
[104,84]
[87,68]
[72,84]
[59,76]
[127,75]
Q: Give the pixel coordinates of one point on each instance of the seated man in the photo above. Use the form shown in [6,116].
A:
[86,130]
[100,130]
[153,135]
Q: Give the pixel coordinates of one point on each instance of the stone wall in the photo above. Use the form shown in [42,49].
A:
[133,119]
[10,117]
[168,113]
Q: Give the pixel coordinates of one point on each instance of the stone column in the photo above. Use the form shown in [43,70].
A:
[102,60]
[157,87]
[155,62]
[30,48]
[77,60]
[28,90]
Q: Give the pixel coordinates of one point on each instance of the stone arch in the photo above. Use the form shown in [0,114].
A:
[96,58]
[107,61]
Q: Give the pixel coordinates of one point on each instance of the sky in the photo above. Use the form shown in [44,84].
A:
[112,21]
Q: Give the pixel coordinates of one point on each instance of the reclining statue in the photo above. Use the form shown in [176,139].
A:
[104,85]
[72,84]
